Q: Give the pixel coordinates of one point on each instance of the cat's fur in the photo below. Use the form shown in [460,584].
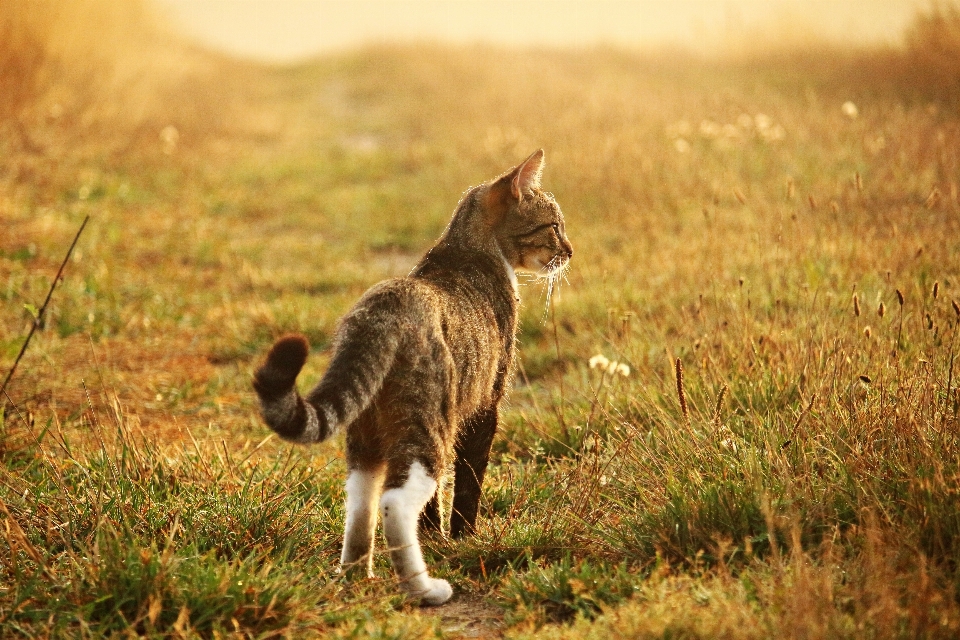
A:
[419,369]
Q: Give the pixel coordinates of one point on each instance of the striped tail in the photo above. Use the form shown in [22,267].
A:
[281,406]
[348,387]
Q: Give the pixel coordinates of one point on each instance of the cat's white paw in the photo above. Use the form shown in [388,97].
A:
[438,592]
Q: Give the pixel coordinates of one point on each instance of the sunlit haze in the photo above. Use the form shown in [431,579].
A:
[284,30]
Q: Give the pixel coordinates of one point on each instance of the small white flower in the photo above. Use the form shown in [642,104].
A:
[850,110]
[599,361]
[623,369]
[681,145]
[612,366]
[603,480]
[762,121]
[728,443]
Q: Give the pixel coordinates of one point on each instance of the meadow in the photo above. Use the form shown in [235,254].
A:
[769,242]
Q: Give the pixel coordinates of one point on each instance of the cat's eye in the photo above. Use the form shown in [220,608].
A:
[539,228]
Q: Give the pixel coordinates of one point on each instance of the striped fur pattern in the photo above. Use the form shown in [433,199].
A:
[420,366]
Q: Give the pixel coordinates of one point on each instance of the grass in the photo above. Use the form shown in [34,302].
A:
[731,217]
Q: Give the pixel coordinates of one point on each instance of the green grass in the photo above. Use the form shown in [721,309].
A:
[807,490]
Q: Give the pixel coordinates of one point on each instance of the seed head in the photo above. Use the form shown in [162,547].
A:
[899,297]
[858,181]
[599,361]
[719,407]
[956,308]
[881,310]
[681,395]
[812,201]
[867,332]
[856,305]
[936,289]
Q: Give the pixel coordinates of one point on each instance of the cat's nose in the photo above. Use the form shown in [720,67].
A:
[568,249]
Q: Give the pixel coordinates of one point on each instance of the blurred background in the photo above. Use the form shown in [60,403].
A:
[291,29]
[74,59]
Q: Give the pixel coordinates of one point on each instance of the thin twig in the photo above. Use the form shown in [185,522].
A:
[796,425]
[24,420]
[556,342]
[39,318]
[900,327]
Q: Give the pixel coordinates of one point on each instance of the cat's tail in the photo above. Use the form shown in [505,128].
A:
[353,379]
[282,407]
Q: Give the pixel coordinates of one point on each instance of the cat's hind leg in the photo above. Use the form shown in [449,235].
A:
[437,512]
[400,509]
[473,454]
[364,487]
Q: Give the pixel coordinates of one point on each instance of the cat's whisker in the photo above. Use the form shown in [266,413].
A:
[552,273]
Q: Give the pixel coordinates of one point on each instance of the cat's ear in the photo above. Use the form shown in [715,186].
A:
[509,187]
[526,175]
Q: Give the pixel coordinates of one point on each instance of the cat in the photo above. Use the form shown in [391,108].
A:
[419,369]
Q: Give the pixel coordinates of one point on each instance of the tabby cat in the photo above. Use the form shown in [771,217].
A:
[420,366]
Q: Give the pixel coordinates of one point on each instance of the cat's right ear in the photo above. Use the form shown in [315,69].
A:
[526,175]
[510,186]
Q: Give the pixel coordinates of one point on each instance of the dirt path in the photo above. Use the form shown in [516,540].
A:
[470,616]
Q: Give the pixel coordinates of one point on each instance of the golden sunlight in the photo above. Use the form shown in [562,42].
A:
[284,30]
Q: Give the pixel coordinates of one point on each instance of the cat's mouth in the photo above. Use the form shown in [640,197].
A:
[553,268]
[545,264]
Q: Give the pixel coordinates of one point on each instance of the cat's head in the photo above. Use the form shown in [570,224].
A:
[526,221]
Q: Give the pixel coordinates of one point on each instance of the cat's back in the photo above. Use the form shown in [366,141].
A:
[417,307]
[457,314]
[446,286]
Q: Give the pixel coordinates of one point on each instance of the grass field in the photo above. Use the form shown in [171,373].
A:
[778,269]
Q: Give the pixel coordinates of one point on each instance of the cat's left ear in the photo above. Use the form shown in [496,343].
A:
[527,175]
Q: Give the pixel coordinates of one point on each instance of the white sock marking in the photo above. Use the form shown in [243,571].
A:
[363,492]
[400,509]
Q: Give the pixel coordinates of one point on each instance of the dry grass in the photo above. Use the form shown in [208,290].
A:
[781,459]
